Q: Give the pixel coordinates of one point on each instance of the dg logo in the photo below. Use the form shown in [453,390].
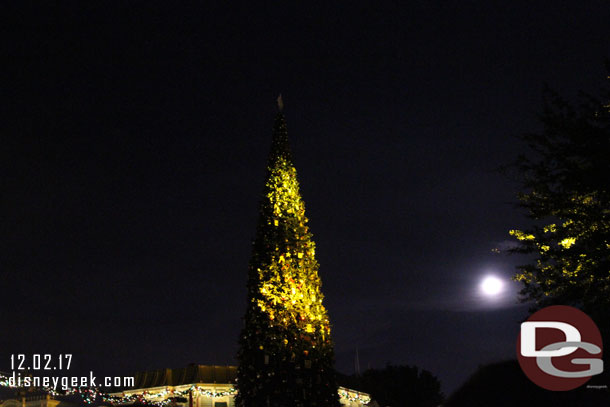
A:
[559,348]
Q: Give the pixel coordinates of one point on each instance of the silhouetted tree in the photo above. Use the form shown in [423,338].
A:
[398,386]
[565,190]
[503,384]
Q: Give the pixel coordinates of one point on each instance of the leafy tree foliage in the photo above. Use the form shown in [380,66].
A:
[566,192]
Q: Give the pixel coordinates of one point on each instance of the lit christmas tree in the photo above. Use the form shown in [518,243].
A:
[286,353]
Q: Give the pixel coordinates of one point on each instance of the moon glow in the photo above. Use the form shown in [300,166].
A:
[491,286]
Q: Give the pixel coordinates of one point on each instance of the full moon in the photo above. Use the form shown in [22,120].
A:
[491,286]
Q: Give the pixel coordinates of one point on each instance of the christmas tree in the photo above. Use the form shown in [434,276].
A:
[286,353]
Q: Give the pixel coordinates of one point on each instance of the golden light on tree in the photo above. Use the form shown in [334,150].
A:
[286,354]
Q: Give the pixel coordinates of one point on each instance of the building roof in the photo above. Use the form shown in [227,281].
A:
[193,373]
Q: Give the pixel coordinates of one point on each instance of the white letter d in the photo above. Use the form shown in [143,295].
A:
[528,338]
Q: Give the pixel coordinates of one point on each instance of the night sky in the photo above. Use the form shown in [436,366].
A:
[135,137]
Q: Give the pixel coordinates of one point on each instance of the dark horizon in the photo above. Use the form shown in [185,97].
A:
[136,137]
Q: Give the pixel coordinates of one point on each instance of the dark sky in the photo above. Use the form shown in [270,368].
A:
[135,137]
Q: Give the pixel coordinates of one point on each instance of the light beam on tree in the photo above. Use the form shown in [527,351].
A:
[286,352]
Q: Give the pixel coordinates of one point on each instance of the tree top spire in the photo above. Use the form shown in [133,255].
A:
[280,103]
[280,147]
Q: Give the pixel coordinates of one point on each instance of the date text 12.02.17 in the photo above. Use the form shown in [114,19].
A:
[39,361]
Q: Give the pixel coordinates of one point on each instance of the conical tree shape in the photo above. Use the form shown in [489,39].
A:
[286,353]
